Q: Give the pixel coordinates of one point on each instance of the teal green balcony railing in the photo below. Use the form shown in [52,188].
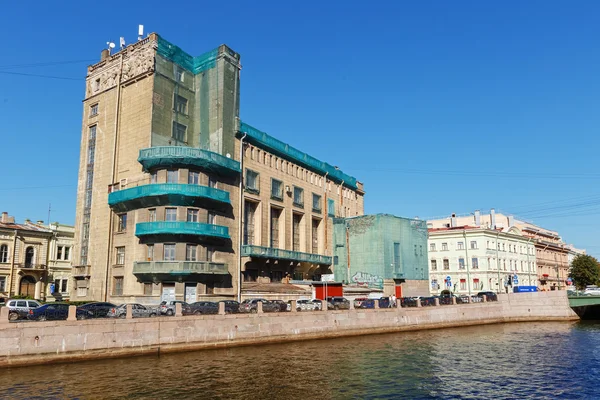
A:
[170,270]
[280,254]
[161,194]
[179,156]
[284,150]
[181,228]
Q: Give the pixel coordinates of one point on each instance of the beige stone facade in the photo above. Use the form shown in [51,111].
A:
[158,201]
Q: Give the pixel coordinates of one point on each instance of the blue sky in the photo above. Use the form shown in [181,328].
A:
[437,106]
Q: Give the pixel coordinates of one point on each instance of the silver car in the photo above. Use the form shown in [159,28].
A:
[19,309]
[137,311]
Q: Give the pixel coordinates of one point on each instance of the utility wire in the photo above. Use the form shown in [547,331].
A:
[37,187]
[44,64]
[41,76]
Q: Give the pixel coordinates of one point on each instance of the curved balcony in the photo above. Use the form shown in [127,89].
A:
[185,157]
[189,271]
[180,231]
[280,254]
[160,194]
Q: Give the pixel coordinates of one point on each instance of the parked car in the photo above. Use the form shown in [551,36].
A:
[490,296]
[318,304]
[303,305]
[168,307]
[384,302]
[338,303]
[202,307]
[251,306]
[282,305]
[408,302]
[358,301]
[231,306]
[97,309]
[55,311]
[19,309]
[137,311]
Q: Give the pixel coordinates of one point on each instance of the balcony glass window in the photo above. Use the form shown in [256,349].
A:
[179,131]
[154,177]
[170,214]
[118,286]
[120,256]
[180,104]
[192,215]
[169,252]
[298,196]
[122,222]
[193,178]
[252,181]
[211,218]
[276,189]
[461,263]
[190,252]
[152,215]
[150,252]
[316,203]
[172,176]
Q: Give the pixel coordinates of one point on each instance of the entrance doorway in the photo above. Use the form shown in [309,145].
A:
[27,286]
[168,292]
[190,293]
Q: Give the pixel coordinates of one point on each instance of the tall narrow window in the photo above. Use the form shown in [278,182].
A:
[211,218]
[433,265]
[212,182]
[249,211]
[315,236]
[331,207]
[296,221]
[170,214]
[252,182]
[316,203]
[432,247]
[122,222]
[172,176]
[475,263]
[150,252]
[169,252]
[120,256]
[461,263]
[118,286]
[179,131]
[152,215]
[446,264]
[67,255]
[210,254]
[298,197]
[59,252]
[179,74]
[3,253]
[154,177]
[193,178]
[180,104]
[94,110]
[276,189]
[275,214]
[190,252]
[460,246]
[192,215]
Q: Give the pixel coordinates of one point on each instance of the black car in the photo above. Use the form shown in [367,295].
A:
[384,302]
[231,306]
[55,311]
[282,304]
[97,309]
[202,307]
[490,296]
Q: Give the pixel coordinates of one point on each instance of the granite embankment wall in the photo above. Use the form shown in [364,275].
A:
[29,343]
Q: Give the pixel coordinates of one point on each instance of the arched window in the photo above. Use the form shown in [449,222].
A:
[3,253]
[29,253]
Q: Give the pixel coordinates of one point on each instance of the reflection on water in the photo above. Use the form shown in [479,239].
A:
[528,360]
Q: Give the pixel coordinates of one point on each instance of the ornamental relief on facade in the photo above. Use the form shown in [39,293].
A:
[135,62]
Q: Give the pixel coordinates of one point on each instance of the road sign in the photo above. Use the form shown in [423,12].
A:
[515,279]
[569,281]
[448,281]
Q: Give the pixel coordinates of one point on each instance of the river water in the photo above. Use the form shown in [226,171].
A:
[525,360]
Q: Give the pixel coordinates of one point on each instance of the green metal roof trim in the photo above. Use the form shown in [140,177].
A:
[167,156]
[263,140]
[281,254]
[181,228]
[195,65]
[176,194]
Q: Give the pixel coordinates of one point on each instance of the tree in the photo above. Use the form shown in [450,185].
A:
[585,270]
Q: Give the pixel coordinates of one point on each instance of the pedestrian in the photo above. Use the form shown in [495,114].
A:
[393,301]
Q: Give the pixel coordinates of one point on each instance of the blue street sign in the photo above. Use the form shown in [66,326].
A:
[448,281]
[515,279]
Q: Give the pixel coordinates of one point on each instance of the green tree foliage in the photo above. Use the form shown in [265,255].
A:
[585,270]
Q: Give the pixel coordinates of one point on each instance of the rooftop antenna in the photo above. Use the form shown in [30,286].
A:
[122,42]
[110,45]
[140,32]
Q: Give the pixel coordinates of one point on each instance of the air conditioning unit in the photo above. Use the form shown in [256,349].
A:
[123,182]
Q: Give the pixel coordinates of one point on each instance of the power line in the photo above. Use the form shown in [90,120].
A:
[485,174]
[44,64]
[37,187]
[41,76]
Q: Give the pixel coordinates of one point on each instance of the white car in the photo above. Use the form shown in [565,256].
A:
[18,309]
[592,291]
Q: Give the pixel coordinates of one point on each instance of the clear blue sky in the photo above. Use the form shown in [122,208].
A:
[436,106]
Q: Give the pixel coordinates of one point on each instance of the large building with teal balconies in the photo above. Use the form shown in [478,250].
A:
[179,200]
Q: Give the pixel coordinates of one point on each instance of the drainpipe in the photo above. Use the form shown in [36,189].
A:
[498,257]
[347,253]
[113,178]
[240,220]
[528,264]
[341,197]
[12,265]
[467,262]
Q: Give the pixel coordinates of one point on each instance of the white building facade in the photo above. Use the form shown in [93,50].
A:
[479,259]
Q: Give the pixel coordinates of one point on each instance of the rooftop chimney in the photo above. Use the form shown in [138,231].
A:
[477,217]
[453,221]
[4,217]
[493,218]
[40,222]
[511,220]
[104,54]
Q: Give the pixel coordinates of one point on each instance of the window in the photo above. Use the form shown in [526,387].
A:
[275,214]
[212,182]
[316,203]
[3,253]
[192,215]
[152,215]
[433,265]
[331,207]
[120,255]
[315,236]
[252,181]
[81,291]
[298,196]
[63,285]
[179,131]
[463,284]
[473,245]
[421,249]
[476,284]
[2,284]
[211,218]
[190,252]
[475,263]
[461,263]
[150,252]
[147,289]
[180,104]
[67,255]
[460,245]
[122,223]
[170,214]
[416,250]
[59,252]
[193,178]
[276,189]
[432,247]
[249,211]
[154,177]
[179,74]
[172,176]
[118,286]
[94,110]
[169,252]
[210,253]
[446,263]
[296,221]
[444,246]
